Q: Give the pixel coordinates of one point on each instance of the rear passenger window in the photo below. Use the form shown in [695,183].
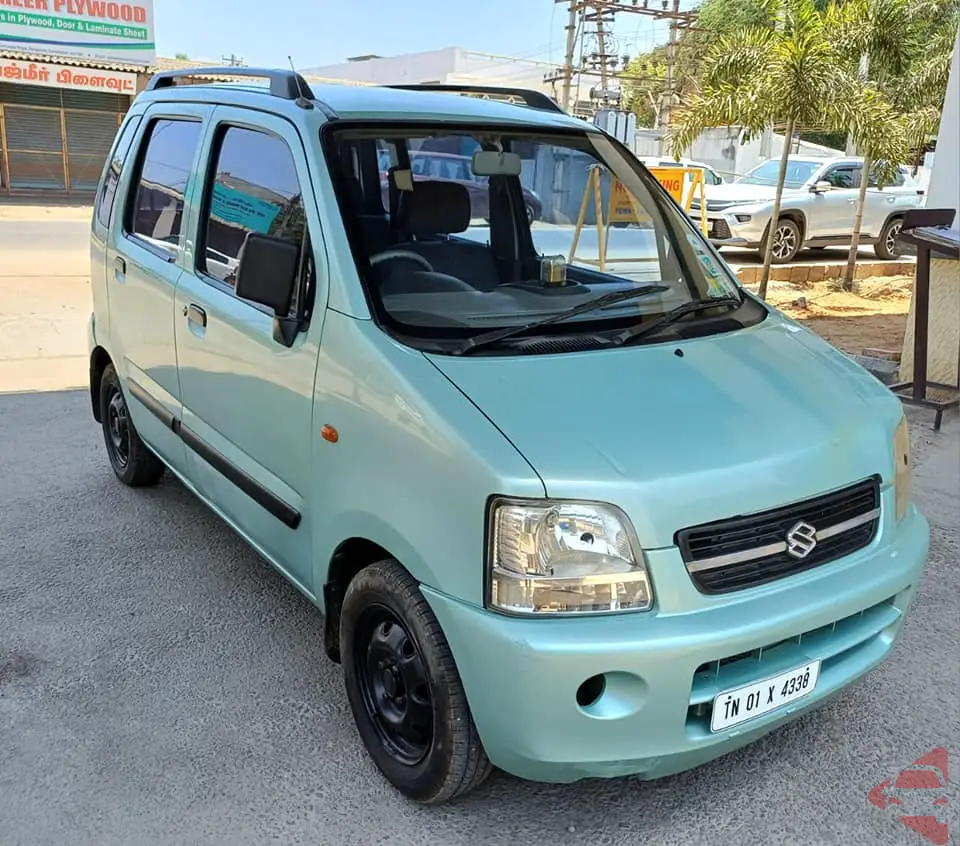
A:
[108,190]
[157,209]
[255,189]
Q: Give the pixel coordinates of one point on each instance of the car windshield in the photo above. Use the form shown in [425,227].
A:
[456,232]
[766,173]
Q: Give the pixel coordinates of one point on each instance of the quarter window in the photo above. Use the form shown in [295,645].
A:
[109,188]
[255,189]
[157,214]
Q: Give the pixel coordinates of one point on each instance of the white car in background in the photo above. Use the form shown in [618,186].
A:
[818,207]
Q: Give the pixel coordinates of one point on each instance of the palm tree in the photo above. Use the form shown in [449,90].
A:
[879,38]
[788,76]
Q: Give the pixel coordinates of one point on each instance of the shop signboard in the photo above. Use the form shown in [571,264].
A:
[63,76]
[95,30]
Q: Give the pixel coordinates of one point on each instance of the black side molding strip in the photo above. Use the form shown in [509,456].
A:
[250,486]
[286,514]
[152,405]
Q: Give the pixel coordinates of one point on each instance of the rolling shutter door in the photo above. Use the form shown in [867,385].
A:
[89,136]
[34,148]
[54,135]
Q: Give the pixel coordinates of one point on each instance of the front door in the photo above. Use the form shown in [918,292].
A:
[833,212]
[248,398]
[144,262]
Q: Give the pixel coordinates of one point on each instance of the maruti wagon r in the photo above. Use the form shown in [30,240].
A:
[572,501]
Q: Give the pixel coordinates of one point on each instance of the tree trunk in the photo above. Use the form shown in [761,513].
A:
[774,219]
[855,237]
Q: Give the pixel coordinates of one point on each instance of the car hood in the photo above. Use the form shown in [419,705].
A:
[741,194]
[679,434]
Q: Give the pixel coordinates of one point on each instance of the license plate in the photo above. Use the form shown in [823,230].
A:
[732,707]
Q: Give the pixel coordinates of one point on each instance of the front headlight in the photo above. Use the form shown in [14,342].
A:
[562,557]
[903,472]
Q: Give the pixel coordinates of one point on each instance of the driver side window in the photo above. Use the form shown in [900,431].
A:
[255,189]
[843,176]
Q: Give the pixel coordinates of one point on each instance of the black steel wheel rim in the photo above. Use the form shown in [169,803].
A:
[118,429]
[392,677]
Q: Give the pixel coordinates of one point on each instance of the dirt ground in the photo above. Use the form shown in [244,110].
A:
[874,316]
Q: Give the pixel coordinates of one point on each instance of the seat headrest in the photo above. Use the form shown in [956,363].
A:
[438,208]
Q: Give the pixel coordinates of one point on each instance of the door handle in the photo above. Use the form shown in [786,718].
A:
[195,314]
[119,268]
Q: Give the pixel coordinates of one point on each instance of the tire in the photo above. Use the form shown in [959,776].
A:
[531,213]
[787,241]
[132,462]
[886,247]
[398,667]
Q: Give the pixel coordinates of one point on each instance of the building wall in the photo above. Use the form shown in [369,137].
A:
[943,356]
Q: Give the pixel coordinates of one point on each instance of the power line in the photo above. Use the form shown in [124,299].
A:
[591,24]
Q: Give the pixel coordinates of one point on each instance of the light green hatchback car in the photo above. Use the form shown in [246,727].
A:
[573,502]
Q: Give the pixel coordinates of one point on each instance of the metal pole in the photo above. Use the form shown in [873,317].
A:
[568,55]
[665,111]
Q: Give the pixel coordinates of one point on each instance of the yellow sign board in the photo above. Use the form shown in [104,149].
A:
[672,179]
[623,207]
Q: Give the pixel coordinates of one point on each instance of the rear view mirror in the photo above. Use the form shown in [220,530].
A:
[493,163]
[268,272]
[821,186]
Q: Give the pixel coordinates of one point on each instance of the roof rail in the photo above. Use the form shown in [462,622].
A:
[531,98]
[286,84]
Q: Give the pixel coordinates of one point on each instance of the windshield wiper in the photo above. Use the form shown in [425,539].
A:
[486,338]
[672,316]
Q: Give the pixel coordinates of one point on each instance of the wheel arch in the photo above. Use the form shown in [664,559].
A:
[894,215]
[799,218]
[99,361]
[348,559]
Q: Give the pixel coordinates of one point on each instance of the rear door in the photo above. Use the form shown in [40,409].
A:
[897,197]
[144,262]
[247,397]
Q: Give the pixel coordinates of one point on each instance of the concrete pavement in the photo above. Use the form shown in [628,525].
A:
[44,302]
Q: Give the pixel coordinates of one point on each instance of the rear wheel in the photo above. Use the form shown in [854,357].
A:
[404,688]
[887,247]
[132,462]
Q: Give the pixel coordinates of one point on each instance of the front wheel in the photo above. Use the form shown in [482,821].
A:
[887,247]
[404,688]
[786,241]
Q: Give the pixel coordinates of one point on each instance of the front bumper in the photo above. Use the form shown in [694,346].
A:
[662,671]
[724,230]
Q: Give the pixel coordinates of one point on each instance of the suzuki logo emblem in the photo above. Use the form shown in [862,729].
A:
[801,540]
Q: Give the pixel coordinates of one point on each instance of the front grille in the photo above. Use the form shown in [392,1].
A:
[719,229]
[751,550]
[851,640]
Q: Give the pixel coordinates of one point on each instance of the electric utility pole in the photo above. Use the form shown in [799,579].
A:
[591,24]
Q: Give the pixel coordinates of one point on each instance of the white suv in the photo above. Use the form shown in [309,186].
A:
[818,207]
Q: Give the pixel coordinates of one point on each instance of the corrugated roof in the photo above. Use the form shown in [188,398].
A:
[103,64]
[161,63]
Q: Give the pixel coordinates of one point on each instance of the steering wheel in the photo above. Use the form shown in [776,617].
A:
[409,255]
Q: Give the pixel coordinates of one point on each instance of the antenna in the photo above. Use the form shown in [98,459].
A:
[301,100]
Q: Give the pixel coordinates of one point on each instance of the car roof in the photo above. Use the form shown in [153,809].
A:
[349,102]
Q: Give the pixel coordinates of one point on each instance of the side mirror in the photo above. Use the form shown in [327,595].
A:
[820,187]
[268,272]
